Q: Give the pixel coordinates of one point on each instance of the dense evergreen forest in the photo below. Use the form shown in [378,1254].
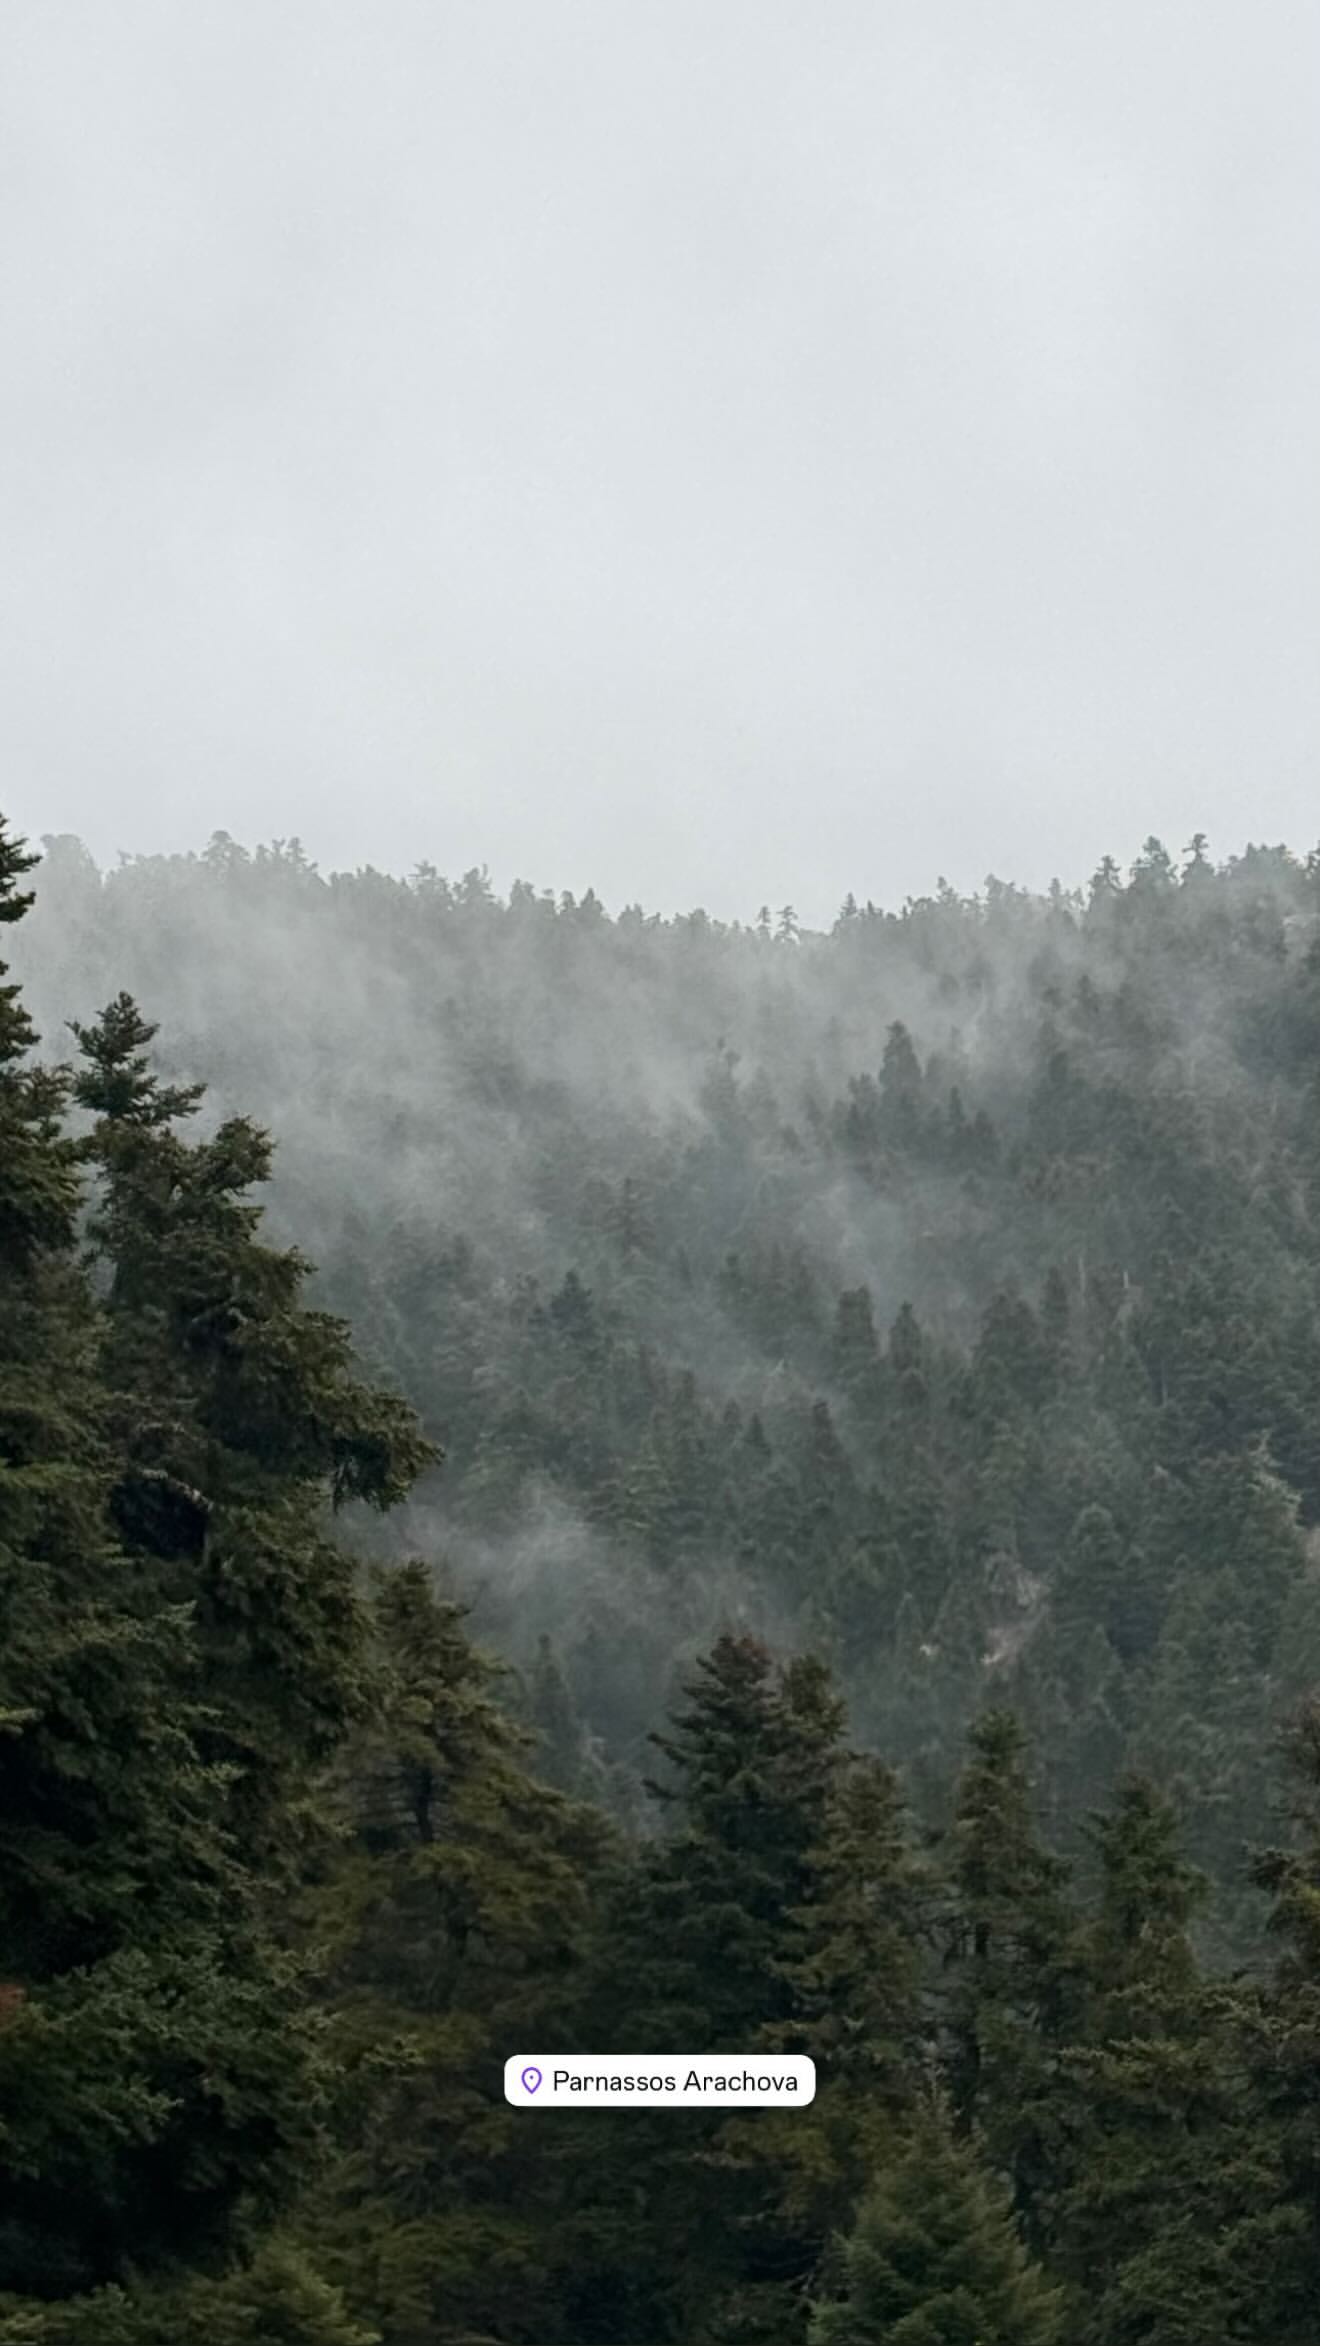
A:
[721,1488]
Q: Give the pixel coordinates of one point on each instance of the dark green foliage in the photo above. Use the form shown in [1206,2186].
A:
[1011,1970]
[149,2088]
[161,2094]
[751,1758]
[1281,2232]
[238,1417]
[797,1362]
[1155,2134]
[157,2104]
[708,1945]
[934,2260]
[276,2301]
[38,1190]
[627,1206]
[451,1926]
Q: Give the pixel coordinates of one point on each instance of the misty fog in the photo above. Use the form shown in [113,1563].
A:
[611,1196]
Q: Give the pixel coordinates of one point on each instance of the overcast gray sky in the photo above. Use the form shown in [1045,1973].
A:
[715,450]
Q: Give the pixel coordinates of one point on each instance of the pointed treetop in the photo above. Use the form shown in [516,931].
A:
[15,860]
[117,1082]
[38,1184]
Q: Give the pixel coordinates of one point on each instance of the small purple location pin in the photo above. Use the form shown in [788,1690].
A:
[531,2078]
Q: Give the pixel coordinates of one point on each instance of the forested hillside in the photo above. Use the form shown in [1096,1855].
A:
[882,1366]
[940,1293]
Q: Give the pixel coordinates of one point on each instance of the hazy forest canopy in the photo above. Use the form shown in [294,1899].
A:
[940,1292]
[892,1357]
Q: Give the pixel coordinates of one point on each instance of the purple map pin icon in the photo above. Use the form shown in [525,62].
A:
[531,2077]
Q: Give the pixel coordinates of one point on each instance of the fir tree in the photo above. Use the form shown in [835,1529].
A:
[156,2087]
[239,1418]
[1011,1970]
[934,2260]
[1155,2151]
[1278,2242]
[451,1929]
